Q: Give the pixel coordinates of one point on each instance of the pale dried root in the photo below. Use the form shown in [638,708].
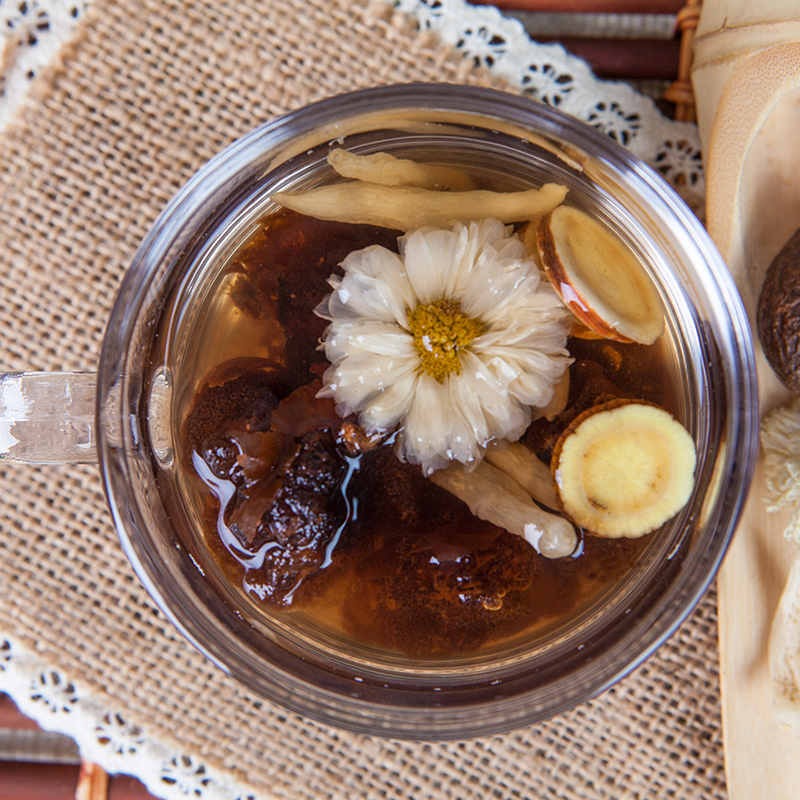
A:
[599,279]
[784,652]
[385,169]
[495,497]
[522,465]
[407,208]
[624,468]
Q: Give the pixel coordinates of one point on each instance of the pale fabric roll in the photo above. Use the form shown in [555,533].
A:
[745,73]
[746,77]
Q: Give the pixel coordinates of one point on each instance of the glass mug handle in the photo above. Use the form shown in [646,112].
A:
[48,417]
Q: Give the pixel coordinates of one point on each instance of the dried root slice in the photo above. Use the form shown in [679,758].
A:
[599,278]
[624,468]
[522,465]
[407,208]
[385,169]
[496,498]
[784,652]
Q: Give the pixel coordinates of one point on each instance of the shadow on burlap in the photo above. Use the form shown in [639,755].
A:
[148,93]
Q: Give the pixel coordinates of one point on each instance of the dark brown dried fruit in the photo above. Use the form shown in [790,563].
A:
[779,314]
[282,465]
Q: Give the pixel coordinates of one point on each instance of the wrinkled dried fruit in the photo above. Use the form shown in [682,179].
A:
[599,279]
[779,314]
[624,468]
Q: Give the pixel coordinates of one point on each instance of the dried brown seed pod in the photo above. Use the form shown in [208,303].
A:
[778,317]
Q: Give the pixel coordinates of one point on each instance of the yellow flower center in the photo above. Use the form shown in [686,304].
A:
[440,332]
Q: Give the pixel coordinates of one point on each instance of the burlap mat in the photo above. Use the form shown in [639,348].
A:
[148,93]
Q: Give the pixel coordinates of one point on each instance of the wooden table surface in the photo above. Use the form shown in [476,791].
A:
[35,765]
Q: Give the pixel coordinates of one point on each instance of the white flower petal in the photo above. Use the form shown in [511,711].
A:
[505,416]
[509,293]
[345,387]
[358,379]
[374,286]
[534,374]
[431,256]
[487,235]
[385,410]
[546,336]
[424,436]
[468,427]
[343,339]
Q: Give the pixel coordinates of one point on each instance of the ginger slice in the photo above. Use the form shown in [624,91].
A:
[497,498]
[599,279]
[387,170]
[624,468]
[407,208]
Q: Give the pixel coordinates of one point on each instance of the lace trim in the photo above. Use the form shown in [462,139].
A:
[548,73]
[34,30]
[107,737]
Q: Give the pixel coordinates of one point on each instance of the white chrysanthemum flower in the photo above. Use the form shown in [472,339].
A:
[452,341]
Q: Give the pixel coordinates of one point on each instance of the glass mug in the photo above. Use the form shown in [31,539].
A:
[124,417]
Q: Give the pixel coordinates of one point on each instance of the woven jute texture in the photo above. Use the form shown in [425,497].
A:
[149,91]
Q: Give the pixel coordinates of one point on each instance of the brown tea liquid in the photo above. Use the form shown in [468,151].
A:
[309,523]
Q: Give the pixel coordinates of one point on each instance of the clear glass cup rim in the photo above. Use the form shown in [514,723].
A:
[192,202]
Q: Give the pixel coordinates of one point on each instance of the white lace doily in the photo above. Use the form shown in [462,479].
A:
[548,73]
[34,31]
[31,34]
